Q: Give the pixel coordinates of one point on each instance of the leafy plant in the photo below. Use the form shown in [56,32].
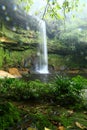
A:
[68,90]
[9,115]
[63,90]
[42,121]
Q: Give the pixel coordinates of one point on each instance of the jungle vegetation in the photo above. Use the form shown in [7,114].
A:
[61,103]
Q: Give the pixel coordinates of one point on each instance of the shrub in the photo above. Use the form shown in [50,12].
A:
[64,90]
[39,89]
[9,115]
[68,90]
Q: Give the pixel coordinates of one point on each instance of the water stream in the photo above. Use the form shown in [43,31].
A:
[42,64]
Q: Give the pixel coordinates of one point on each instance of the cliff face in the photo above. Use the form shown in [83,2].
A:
[13,16]
[18,30]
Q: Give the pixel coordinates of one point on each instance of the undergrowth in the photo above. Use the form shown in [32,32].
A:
[9,115]
[63,90]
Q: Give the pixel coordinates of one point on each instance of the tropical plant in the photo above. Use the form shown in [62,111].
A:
[69,90]
[9,115]
[63,90]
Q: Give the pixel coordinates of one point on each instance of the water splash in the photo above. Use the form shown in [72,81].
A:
[42,66]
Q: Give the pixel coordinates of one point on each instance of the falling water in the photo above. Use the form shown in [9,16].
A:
[42,66]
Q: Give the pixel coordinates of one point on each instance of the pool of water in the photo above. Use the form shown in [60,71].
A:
[50,76]
[41,77]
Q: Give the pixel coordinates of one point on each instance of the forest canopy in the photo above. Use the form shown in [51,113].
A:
[52,8]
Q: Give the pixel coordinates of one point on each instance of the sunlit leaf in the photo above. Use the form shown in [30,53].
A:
[46,128]
[30,128]
[80,125]
[70,112]
[61,128]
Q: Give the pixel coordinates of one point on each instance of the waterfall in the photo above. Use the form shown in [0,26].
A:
[42,65]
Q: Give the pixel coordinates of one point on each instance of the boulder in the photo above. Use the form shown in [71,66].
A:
[15,72]
[4,74]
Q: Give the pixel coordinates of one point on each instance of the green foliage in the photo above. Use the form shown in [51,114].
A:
[13,88]
[39,90]
[80,82]
[9,115]
[68,91]
[70,5]
[54,8]
[18,89]
[63,90]
[27,4]
[1,57]
[41,121]
[14,58]
[52,116]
